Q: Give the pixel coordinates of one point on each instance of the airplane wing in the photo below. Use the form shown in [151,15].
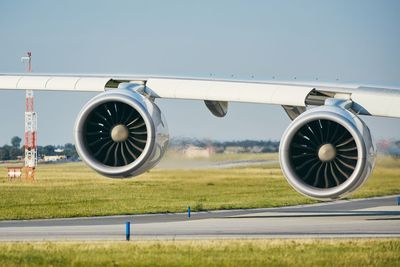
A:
[325,153]
[368,100]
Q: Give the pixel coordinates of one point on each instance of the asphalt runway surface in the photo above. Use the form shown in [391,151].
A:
[374,217]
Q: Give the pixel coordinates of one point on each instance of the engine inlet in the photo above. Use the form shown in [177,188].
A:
[326,153]
[115,134]
[121,134]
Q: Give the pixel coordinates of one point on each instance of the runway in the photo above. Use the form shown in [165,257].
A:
[374,217]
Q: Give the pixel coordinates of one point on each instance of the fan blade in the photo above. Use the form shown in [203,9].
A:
[102,147]
[123,154]
[334,174]
[306,163]
[345,164]
[129,117]
[135,146]
[108,153]
[317,140]
[348,157]
[345,142]
[138,140]
[326,175]
[98,140]
[116,155]
[129,151]
[132,122]
[303,155]
[142,132]
[302,146]
[307,176]
[340,170]
[320,131]
[137,126]
[308,139]
[317,175]
[348,149]
[334,133]
[123,111]
[103,118]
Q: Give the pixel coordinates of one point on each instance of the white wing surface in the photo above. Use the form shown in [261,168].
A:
[368,100]
[53,83]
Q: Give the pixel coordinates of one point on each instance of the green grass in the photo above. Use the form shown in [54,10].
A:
[357,252]
[71,190]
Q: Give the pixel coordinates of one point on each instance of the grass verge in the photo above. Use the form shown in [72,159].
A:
[71,190]
[356,252]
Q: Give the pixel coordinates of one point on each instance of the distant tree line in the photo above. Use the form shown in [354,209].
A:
[13,151]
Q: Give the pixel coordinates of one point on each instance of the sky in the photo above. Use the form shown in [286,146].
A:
[352,41]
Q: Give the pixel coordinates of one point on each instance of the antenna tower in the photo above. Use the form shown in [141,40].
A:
[30,127]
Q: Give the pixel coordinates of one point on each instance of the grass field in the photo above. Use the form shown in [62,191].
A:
[70,190]
[376,252]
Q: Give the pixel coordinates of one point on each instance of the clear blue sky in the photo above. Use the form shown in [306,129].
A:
[350,40]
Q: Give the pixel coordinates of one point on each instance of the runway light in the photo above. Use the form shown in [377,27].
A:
[188,212]
[128,231]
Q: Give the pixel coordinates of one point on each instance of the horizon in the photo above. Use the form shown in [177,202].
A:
[195,139]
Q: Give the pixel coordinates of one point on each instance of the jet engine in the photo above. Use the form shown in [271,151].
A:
[327,152]
[121,133]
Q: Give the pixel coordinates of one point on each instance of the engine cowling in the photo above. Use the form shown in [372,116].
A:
[327,152]
[120,134]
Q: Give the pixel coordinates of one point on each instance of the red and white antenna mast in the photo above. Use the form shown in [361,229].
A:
[30,127]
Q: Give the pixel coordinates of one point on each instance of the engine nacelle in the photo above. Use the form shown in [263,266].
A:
[327,152]
[120,134]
